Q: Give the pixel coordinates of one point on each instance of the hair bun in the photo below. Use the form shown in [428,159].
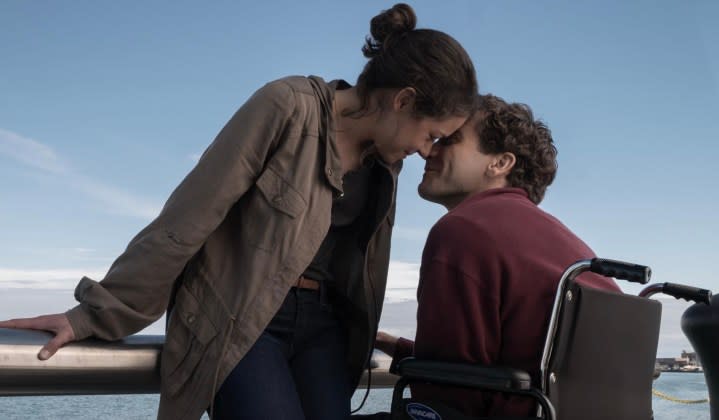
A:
[397,20]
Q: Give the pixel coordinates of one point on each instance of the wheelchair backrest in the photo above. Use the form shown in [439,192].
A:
[603,355]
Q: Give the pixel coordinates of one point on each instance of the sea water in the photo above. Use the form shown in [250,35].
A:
[688,386]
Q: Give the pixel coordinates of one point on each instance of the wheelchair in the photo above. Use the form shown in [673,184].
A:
[598,358]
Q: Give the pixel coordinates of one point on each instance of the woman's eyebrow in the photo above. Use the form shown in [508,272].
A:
[456,135]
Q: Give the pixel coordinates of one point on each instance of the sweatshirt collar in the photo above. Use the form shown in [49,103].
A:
[493,192]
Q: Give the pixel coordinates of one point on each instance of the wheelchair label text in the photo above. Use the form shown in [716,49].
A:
[419,411]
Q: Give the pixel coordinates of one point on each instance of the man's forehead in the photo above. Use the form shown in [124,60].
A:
[469,128]
[468,131]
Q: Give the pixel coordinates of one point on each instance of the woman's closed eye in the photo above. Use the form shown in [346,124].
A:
[446,141]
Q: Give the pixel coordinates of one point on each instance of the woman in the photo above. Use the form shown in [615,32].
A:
[271,256]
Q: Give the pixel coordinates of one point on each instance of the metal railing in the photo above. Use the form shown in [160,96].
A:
[129,366]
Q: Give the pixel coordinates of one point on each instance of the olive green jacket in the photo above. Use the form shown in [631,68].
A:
[234,237]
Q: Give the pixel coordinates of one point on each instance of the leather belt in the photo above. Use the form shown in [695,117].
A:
[307,283]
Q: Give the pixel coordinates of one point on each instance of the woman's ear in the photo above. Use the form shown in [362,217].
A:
[404,99]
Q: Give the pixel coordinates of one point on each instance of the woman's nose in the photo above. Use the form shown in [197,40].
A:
[425,150]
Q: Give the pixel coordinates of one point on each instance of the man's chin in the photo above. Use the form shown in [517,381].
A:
[425,191]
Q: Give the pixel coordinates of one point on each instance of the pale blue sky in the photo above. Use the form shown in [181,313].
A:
[104,107]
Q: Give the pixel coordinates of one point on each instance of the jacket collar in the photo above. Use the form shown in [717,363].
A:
[325,93]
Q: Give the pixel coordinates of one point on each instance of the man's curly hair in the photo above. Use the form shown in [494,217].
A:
[504,127]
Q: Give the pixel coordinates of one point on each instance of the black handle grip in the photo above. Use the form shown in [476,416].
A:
[621,270]
[688,293]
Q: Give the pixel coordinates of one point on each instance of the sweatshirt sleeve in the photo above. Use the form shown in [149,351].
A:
[458,318]
[136,290]
[403,349]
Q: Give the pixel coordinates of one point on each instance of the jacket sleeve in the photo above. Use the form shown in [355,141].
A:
[136,290]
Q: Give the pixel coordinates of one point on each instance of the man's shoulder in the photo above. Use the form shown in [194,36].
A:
[454,223]
[462,245]
[495,219]
[477,214]
[496,199]
[486,211]
[457,233]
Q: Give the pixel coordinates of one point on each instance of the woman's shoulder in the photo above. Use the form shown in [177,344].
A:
[297,84]
[296,93]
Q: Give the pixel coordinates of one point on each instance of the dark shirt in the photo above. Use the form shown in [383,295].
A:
[489,274]
[346,208]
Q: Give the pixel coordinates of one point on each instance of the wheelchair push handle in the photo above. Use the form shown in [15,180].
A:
[688,293]
[621,270]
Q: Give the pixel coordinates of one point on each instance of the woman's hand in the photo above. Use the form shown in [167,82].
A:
[57,324]
[386,343]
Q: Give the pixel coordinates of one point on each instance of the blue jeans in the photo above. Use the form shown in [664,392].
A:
[296,370]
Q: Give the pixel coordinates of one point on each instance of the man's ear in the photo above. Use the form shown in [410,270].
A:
[404,99]
[502,164]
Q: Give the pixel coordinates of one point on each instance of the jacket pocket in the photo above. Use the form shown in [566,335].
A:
[272,210]
[280,194]
[189,333]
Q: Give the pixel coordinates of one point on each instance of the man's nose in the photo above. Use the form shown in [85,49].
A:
[432,152]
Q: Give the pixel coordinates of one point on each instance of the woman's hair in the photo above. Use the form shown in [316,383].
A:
[431,62]
[511,127]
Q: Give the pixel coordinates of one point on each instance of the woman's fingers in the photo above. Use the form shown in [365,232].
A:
[52,323]
[25,323]
[56,323]
[52,346]
[37,323]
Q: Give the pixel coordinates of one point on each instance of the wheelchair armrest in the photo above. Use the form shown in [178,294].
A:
[461,374]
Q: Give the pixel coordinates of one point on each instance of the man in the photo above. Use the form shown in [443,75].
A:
[491,265]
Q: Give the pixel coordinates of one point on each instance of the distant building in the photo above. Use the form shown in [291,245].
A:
[691,358]
[687,362]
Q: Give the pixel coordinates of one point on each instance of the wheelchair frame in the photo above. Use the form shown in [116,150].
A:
[517,382]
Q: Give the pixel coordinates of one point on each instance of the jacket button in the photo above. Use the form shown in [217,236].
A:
[190,318]
[277,199]
[329,171]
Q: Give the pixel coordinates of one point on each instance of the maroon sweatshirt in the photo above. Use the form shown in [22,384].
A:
[489,274]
